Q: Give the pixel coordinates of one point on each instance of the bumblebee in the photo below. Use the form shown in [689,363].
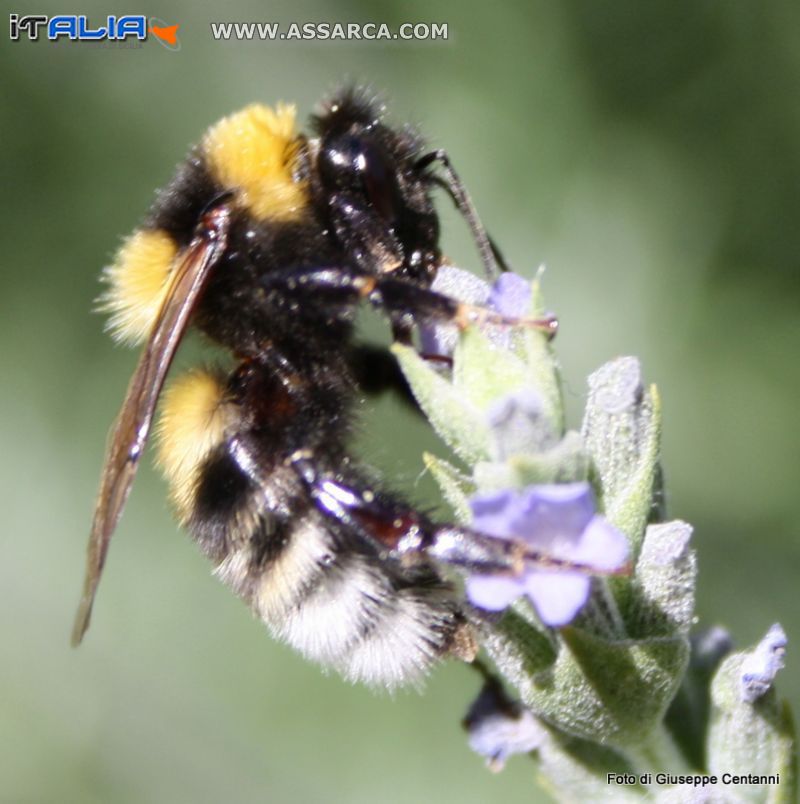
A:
[267,241]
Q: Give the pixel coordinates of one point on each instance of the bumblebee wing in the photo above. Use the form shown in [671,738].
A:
[129,432]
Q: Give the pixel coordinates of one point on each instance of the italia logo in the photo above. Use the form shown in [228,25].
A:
[166,34]
[77,27]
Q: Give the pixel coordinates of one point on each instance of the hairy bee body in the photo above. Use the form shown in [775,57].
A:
[256,457]
[316,584]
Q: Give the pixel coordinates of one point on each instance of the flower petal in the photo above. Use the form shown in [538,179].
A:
[493,592]
[761,665]
[517,424]
[441,339]
[492,512]
[602,546]
[558,596]
[511,295]
[553,516]
[437,340]
[500,727]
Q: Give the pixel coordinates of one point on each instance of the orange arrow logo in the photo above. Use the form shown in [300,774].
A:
[168,34]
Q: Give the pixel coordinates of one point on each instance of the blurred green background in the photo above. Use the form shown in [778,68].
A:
[649,154]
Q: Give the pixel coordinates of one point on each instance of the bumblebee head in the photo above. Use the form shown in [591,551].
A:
[371,190]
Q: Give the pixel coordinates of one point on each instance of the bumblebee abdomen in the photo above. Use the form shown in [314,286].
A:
[193,422]
[319,587]
[341,606]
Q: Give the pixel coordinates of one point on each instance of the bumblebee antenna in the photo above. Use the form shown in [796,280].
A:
[493,262]
[498,255]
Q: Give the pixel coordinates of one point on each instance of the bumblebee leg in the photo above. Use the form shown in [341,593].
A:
[403,533]
[405,301]
[400,299]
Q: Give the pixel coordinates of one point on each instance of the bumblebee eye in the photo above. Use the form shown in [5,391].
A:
[356,164]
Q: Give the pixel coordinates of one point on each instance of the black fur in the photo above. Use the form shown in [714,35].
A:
[179,205]
[283,299]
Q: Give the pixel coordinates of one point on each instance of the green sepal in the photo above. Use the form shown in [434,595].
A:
[455,486]
[621,430]
[543,372]
[457,421]
[614,693]
[688,714]
[566,462]
[483,372]
[576,770]
[751,738]
[659,601]
[519,646]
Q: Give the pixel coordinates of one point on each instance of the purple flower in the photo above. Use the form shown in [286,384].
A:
[510,295]
[500,727]
[558,521]
[518,425]
[441,339]
[762,664]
